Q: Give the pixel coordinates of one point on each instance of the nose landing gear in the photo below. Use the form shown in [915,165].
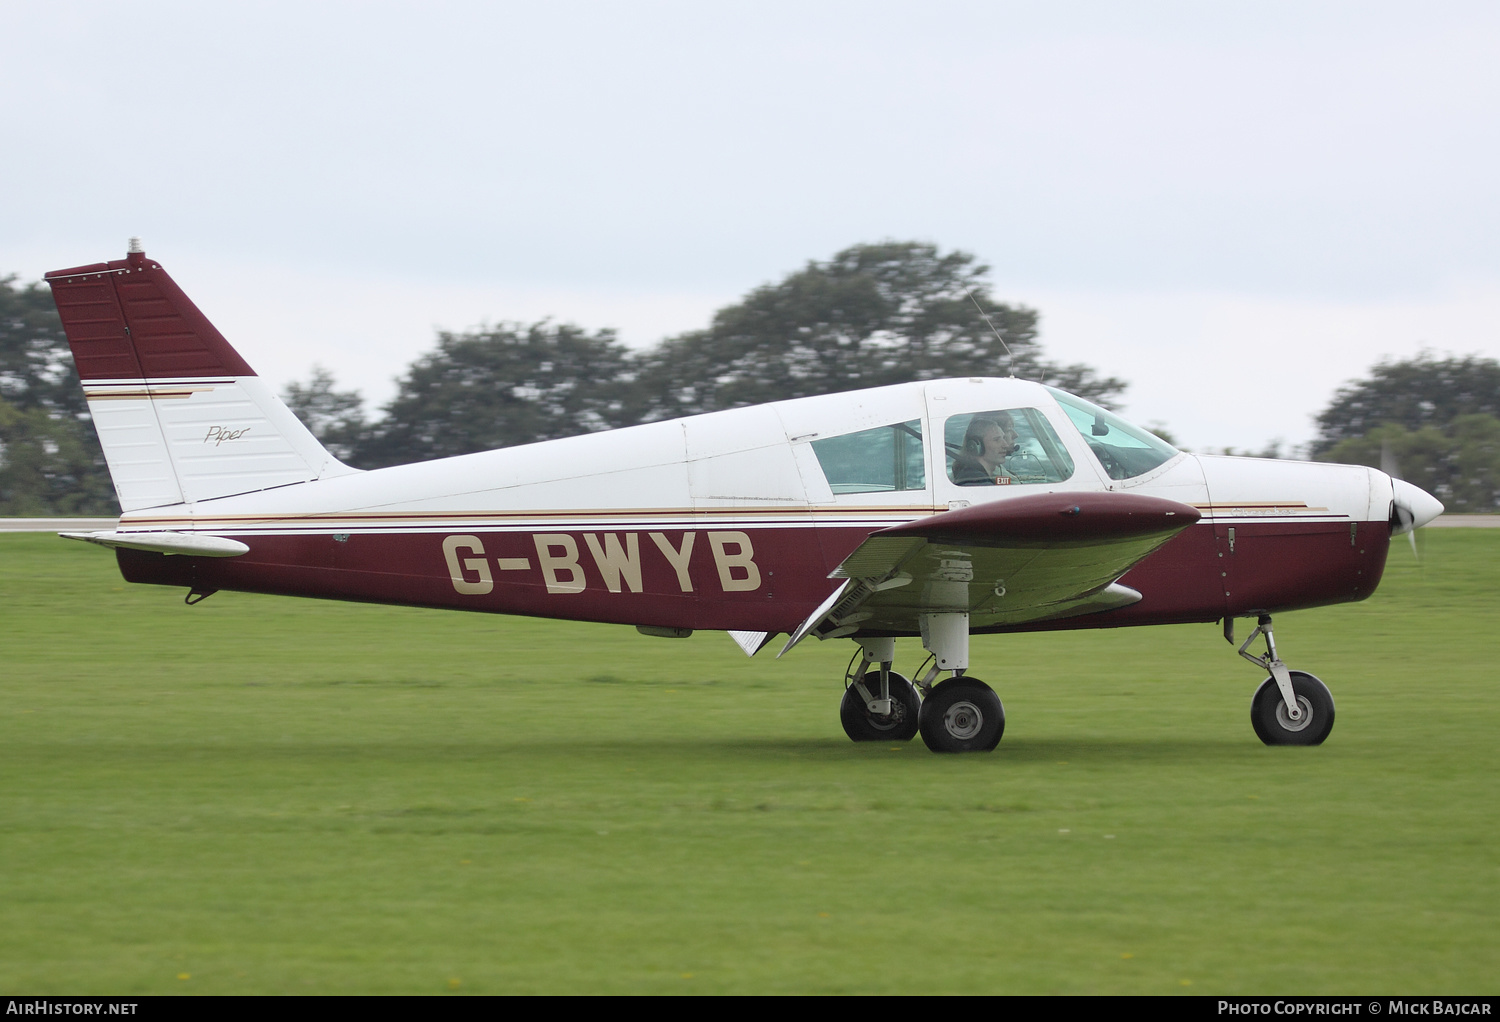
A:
[1275,726]
[1290,707]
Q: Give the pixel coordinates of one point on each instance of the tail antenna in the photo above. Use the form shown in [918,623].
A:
[986,317]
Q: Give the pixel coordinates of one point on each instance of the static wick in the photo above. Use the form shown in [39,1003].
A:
[985,316]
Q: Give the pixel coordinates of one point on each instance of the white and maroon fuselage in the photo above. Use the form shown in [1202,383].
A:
[722,521]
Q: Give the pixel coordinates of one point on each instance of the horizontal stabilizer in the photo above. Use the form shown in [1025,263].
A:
[164,542]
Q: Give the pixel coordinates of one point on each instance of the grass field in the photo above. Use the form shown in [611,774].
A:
[280,796]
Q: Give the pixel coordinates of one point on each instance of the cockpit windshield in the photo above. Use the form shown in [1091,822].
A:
[1125,451]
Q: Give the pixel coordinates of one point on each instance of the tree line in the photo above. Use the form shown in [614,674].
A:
[871,315]
[1433,421]
[50,461]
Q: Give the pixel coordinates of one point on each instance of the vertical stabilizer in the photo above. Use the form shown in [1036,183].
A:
[181,416]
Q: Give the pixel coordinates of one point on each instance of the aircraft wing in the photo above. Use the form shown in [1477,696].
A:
[1004,562]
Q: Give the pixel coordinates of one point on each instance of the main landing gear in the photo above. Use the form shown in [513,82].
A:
[879,706]
[1290,707]
[961,714]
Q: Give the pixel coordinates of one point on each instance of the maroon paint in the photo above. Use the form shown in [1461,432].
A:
[95,325]
[1283,567]
[1332,563]
[1053,518]
[1290,567]
[411,569]
[128,319]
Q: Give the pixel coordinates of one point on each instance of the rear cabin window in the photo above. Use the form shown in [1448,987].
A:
[1004,447]
[1124,451]
[874,460]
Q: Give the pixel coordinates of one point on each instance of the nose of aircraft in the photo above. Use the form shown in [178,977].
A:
[1415,507]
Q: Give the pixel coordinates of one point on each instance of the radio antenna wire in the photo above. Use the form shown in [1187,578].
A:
[986,317]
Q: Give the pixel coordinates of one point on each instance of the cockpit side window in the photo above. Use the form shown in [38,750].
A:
[874,460]
[1124,451]
[999,448]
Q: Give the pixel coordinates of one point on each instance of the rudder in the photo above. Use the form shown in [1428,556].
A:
[180,415]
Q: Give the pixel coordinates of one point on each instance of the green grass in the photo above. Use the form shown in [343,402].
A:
[282,796]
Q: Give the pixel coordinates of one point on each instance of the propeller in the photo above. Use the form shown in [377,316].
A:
[1402,518]
[1411,506]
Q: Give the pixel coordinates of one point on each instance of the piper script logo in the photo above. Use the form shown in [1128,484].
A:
[223,434]
[616,559]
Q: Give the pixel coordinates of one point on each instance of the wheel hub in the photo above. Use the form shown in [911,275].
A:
[963,720]
[1303,721]
[888,721]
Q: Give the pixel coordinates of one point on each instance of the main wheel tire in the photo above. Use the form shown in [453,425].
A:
[962,715]
[1274,725]
[900,725]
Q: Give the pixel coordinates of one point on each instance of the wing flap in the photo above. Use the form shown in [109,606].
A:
[878,555]
[1003,563]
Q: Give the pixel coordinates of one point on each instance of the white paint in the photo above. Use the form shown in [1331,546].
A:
[172,440]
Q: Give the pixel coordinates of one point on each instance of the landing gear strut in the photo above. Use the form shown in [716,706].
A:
[961,714]
[1290,707]
[879,706]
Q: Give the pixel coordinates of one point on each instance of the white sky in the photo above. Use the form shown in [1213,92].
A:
[1236,206]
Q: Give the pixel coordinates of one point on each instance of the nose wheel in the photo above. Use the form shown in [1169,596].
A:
[1290,707]
[1275,726]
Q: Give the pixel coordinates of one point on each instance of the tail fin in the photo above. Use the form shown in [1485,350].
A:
[180,415]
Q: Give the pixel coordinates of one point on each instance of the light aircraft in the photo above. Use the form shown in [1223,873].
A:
[937,509]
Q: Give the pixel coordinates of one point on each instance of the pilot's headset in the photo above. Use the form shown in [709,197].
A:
[974,435]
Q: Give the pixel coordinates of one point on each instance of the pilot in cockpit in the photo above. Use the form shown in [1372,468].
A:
[988,442]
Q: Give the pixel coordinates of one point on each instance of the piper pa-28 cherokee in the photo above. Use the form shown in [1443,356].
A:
[936,509]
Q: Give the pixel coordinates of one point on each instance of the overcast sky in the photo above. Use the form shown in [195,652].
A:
[1235,206]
